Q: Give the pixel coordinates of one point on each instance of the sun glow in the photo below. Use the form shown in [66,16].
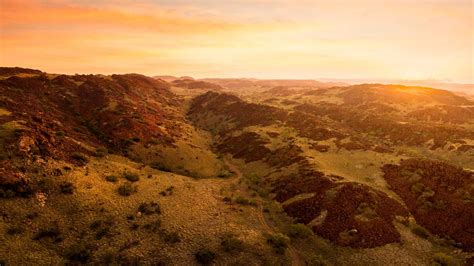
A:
[266,39]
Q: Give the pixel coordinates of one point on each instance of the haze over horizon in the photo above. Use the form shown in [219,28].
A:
[393,40]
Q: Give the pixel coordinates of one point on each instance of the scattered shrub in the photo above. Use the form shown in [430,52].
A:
[231,244]
[299,231]
[131,177]
[80,157]
[7,193]
[149,208]
[244,201]
[66,187]
[101,152]
[79,253]
[126,189]
[134,226]
[153,226]
[60,133]
[170,237]
[224,174]
[160,166]
[101,228]
[279,242]
[317,260]
[111,178]
[444,259]
[420,231]
[51,232]
[205,256]
[15,230]
[254,178]
[168,191]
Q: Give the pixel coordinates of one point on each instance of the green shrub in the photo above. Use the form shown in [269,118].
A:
[299,231]
[153,226]
[160,166]
[101,227]
[230,244]
[149,208]
[244,201]
[317,260]
[7,193]
[254,178]
[66,187]
[15,230]
[60,133]
[111,178]
[205,256]
[444,259]
[168,191]
[131,177]
[224,173]
[420,231]
[126,189]
[279,242]
[170,237]
[79,253]
[101,152]
[80,157]
[52,232]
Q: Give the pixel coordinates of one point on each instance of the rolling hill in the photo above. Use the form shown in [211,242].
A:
[128,169]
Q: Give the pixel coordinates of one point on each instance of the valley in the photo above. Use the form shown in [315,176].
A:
[135,170]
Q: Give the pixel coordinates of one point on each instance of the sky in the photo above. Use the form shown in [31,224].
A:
[351,39]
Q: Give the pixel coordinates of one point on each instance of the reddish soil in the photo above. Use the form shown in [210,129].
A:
[352,120]
[234,110]
[439,195]
[112,111]
[250,147]
[357,215]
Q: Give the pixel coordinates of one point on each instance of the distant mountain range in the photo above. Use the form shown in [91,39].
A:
[464,88]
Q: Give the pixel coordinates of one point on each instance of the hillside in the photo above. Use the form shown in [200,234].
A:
[128,169]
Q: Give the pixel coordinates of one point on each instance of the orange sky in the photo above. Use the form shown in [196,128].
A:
[393,39]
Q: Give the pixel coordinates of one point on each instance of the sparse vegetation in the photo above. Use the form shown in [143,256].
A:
[244,201]
[80,157]
[79,253]
[279,242]
[230,243]
[205,256]
[224,173]
[15,230]
[444,259]
[66,187]
[149,208]
[111,178]
[420,231]
[318,260]
[168,191]
[126,189]
[131,177]
[153,226]
[170,237]
[101,152]
[299,231]
[160,166]
[51,232]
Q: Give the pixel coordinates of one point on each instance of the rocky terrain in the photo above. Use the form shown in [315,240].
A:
[129,169]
